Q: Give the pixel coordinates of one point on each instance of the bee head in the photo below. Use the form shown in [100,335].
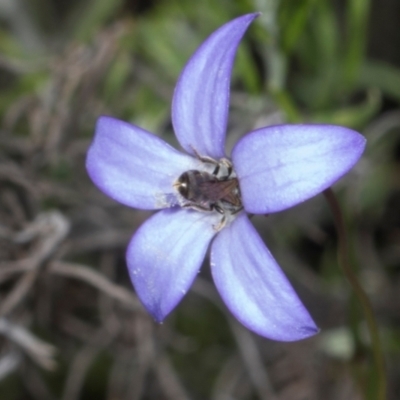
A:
[182,184]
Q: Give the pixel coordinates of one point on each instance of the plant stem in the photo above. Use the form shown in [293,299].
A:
[344,261]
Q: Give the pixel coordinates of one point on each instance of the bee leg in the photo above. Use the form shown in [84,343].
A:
[236,211]
[228,164]
[223,161]
[222,223]
[217,208]
[206,159]
[216,170]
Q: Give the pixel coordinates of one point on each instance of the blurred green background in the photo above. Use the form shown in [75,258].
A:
[70,324]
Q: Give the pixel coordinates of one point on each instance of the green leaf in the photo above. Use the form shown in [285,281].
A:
[352,116]
[381,75]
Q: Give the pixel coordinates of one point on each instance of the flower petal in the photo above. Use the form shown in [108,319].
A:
[281,166]
[166,253]
[254,287]
[201,99]
[134,166]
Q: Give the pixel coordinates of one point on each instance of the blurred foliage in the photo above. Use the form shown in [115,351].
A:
[62,64]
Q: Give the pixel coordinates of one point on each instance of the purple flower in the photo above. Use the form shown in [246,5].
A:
[204,196]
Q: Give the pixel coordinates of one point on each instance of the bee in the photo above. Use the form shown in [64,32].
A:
[206,191]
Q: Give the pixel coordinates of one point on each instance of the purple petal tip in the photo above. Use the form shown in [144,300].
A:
[283,165]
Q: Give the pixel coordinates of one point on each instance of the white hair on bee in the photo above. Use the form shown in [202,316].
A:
[166,200]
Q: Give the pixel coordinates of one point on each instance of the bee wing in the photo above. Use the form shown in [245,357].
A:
[221,190]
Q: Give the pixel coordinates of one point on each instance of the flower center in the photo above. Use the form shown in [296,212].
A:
[217,191]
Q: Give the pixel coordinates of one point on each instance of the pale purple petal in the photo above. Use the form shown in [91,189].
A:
[201,99]
[281,166]
[165,255]
[134,166]
[254,287]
